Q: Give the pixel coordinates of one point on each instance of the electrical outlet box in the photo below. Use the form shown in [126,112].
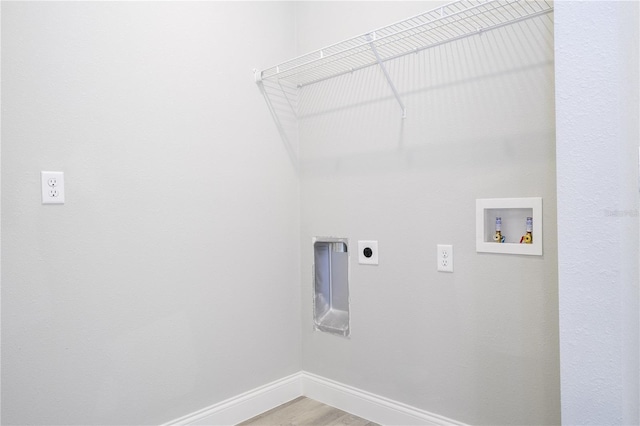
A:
[52,187]
[445,258]
[368,252]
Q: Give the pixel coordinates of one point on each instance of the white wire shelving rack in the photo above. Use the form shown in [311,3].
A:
[445,24]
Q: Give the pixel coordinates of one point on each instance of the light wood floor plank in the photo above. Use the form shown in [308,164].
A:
[303,411]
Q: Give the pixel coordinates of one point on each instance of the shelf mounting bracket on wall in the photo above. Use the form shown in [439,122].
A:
[372,37]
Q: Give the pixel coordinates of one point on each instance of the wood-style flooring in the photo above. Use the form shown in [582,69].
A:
[306,412]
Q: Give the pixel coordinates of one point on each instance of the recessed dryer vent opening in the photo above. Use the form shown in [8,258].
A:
[331,285]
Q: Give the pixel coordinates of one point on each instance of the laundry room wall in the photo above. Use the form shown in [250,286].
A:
[598,114]
[479,345]
[168,281]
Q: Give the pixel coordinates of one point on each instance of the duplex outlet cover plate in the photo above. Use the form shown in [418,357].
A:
[52,187]
[445,257]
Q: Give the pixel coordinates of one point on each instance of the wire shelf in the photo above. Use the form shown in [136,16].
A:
[453,21]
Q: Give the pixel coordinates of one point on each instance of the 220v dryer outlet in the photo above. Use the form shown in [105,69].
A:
[368,252]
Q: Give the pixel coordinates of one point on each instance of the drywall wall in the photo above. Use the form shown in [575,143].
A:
[597,97]
[168,281]
[479,345]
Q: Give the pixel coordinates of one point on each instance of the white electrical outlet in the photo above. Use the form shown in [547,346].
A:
[52,187]
[445,258]
[368,252]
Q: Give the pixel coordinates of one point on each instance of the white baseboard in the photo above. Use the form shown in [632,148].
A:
[369,406]
[364,404]
[246,405]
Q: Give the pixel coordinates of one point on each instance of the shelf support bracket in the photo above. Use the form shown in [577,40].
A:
[371,38]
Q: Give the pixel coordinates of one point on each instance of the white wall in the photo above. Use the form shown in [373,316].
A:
[168,280]
[479,345]
[136,301]
[597,153]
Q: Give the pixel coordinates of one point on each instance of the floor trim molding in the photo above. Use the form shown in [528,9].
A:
[364,404]
[246,405]
[367,405]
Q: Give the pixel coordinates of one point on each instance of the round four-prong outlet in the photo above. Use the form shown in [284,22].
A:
[368,252]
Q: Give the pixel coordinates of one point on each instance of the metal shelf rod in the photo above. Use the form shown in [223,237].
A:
[485,7]
[420,49]
[449,23]
[321,55]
